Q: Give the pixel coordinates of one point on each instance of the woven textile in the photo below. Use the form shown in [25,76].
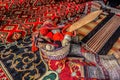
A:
[21,63]
[11,4]
[17,61]
[23,20]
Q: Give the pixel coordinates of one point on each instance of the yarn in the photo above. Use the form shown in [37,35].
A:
[50,35]
[58,37]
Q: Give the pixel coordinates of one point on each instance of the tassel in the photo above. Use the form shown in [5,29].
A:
[50,35]
[58,37]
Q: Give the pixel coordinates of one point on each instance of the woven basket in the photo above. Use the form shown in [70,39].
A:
[56,54]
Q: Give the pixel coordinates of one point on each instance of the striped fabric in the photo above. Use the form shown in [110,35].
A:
[89,27]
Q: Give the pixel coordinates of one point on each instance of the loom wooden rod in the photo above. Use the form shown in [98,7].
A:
[85,20]
[106,37]
[104,40]
[96,37]
[111,30]
[98,31]
[93,39]
[100,45]
[98,40]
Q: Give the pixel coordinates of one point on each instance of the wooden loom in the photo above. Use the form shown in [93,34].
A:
[105,37]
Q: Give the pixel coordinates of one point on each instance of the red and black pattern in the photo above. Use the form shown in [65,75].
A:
[27,17]
[10,33]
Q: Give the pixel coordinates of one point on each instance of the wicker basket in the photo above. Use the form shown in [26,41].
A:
[56,54]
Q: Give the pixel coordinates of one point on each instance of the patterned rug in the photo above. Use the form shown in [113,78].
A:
[23,64]
[20,62]
[21,21]
[17,61]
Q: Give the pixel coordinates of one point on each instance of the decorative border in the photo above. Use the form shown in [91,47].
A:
[6,71]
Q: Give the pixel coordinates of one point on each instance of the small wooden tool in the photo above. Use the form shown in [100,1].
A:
[85,20]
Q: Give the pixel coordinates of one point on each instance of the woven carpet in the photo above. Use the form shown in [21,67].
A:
[23,64]
[20,63]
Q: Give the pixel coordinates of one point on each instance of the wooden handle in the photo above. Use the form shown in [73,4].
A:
[85,20]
